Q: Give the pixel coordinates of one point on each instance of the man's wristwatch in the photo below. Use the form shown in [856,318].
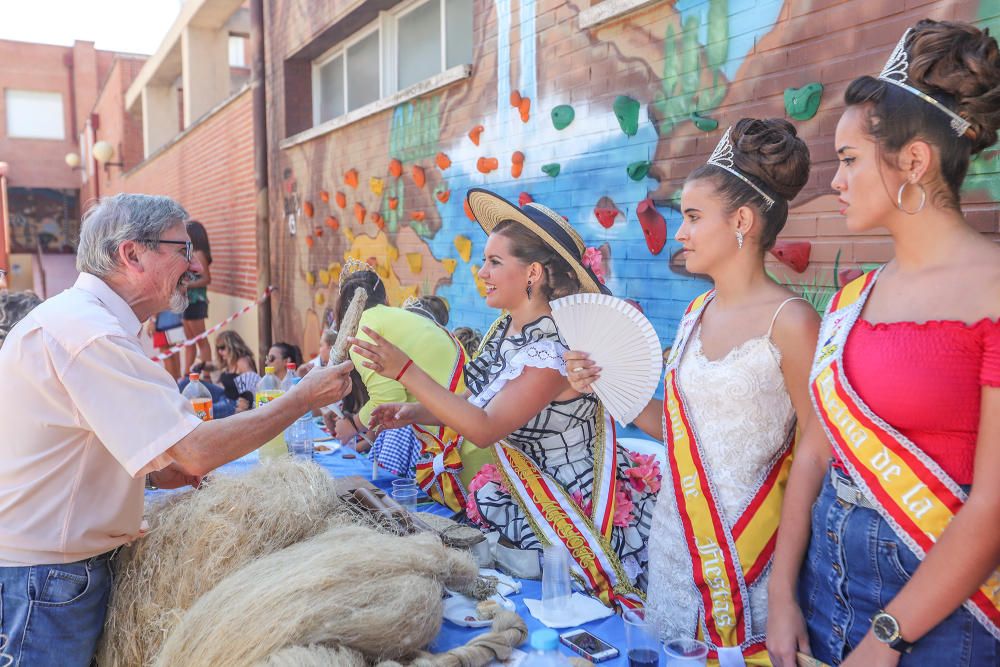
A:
[885,627]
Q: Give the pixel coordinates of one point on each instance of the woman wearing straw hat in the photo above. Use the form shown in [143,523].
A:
[559,475]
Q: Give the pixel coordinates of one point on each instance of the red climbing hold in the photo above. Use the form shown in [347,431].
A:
[654,227]
[524,198]
[794,254]
[606,212]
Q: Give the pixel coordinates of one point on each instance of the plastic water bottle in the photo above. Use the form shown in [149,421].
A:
[298,439]
[200,397]
[287,383]
[545,650]
[268,389]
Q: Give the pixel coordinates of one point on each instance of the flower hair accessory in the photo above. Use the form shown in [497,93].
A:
[722,157]
[895,72]
[352,266]
[593,260]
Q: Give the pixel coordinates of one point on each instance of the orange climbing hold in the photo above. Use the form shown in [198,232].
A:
[442,161]
[359,213]
[332,223]
[341,200]
[395,168]
[351,178]
[307,208]
[443,196]
[487,164]
[474,134]
[515,99]
[468,210]
[418,176]
[310,241]
[516,164]
[378,220]
[318,231]
[418,215]
[525,108]
[324,196]
[393,203]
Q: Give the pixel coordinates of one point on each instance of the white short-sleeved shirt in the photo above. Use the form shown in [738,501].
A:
[84,414]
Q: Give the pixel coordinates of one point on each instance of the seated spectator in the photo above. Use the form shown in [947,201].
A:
[239,371]
[13,307]
[280,354]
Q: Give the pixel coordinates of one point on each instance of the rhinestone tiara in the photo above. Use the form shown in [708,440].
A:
[895,72]
[353,265]
[722,157]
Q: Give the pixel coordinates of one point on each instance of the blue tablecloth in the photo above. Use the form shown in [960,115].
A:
[610,629]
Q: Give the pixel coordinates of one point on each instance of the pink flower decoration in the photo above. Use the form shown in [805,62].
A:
[645,473]
[593,260]
[586,505]
[488,473]
[623,508]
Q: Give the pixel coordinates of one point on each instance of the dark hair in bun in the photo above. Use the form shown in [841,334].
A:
[959,66]
[770,154]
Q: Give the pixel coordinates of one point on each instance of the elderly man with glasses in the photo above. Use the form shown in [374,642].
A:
[87,416]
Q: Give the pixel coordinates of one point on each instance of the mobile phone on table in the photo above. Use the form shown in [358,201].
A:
[589,646]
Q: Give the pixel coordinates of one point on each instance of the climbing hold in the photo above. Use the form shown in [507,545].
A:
[395,168]
[480,285]
[802,103]
[375,185]
[525,109]
[464,247]
[703,123]
[393,203]
[524,198]
[449,265]
[317,230]
[638,170]
[348,234]
[487,164]
[562,116]
[468,210]
[418,215]
[324,196]
[443,196]
[351,178]
[442,161]
[415,260]
[474,134]
[341,199]
[606,212]
[324,277]
[654,227]
[310,278]
[794,254]
[310,241]
[359,213]
[320,298]
[627,112]
[516,164]
[419,177]
[515,99]
[378,220]
[552,169]
[307,209]
[332,223]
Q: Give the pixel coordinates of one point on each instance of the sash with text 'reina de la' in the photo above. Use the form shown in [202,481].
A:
[555,517]
[912,493]
[438,471]
[725,560]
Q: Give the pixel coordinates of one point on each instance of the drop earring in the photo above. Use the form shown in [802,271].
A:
[528,290]
[739,239]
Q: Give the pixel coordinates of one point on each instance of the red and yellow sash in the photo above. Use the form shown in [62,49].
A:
[555,517]
[912,493]
[441,463]
[725,561]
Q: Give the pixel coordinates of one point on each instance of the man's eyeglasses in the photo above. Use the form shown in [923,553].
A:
[187,246]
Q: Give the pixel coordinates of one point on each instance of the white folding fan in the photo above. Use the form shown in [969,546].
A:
[621,341]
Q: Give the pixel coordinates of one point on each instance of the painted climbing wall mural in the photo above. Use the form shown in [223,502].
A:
[602,124]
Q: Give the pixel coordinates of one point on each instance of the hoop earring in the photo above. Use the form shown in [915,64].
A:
[528,290]
[739,239]
[899,198]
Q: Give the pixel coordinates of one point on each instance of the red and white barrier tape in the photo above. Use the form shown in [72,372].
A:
[205,334]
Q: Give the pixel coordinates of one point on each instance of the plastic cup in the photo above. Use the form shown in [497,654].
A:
[404,484]
[685,653]
[641,643]
[556,589]
[406,497]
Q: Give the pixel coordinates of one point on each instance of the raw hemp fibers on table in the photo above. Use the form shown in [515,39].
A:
[270,567]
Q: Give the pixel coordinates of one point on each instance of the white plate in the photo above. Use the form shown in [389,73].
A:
[458,608]
[332,444]
[507,584]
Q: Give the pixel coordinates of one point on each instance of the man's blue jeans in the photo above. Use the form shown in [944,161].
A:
[54,614]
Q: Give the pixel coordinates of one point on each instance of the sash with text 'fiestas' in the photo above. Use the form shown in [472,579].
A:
[912,493]
[438,471]
[725,561]
[555,517]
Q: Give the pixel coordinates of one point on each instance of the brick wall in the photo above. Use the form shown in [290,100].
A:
[723,59]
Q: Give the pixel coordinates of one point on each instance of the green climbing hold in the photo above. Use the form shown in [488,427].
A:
[552,169]
[802,103]
[627,113]
[562,116]
[703,123]
[638,170]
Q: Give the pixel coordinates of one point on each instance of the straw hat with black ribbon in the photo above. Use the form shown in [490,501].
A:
[491,209]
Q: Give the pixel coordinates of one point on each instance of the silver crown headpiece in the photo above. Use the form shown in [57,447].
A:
[722,157]
[352,266]
[895,72]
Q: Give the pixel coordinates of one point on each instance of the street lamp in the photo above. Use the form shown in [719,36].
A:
[73,161]
[103,152]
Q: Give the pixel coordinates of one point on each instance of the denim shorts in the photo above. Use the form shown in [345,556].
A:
[54,614]
[855,566]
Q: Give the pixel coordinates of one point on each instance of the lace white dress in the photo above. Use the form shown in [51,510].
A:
[742,413]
